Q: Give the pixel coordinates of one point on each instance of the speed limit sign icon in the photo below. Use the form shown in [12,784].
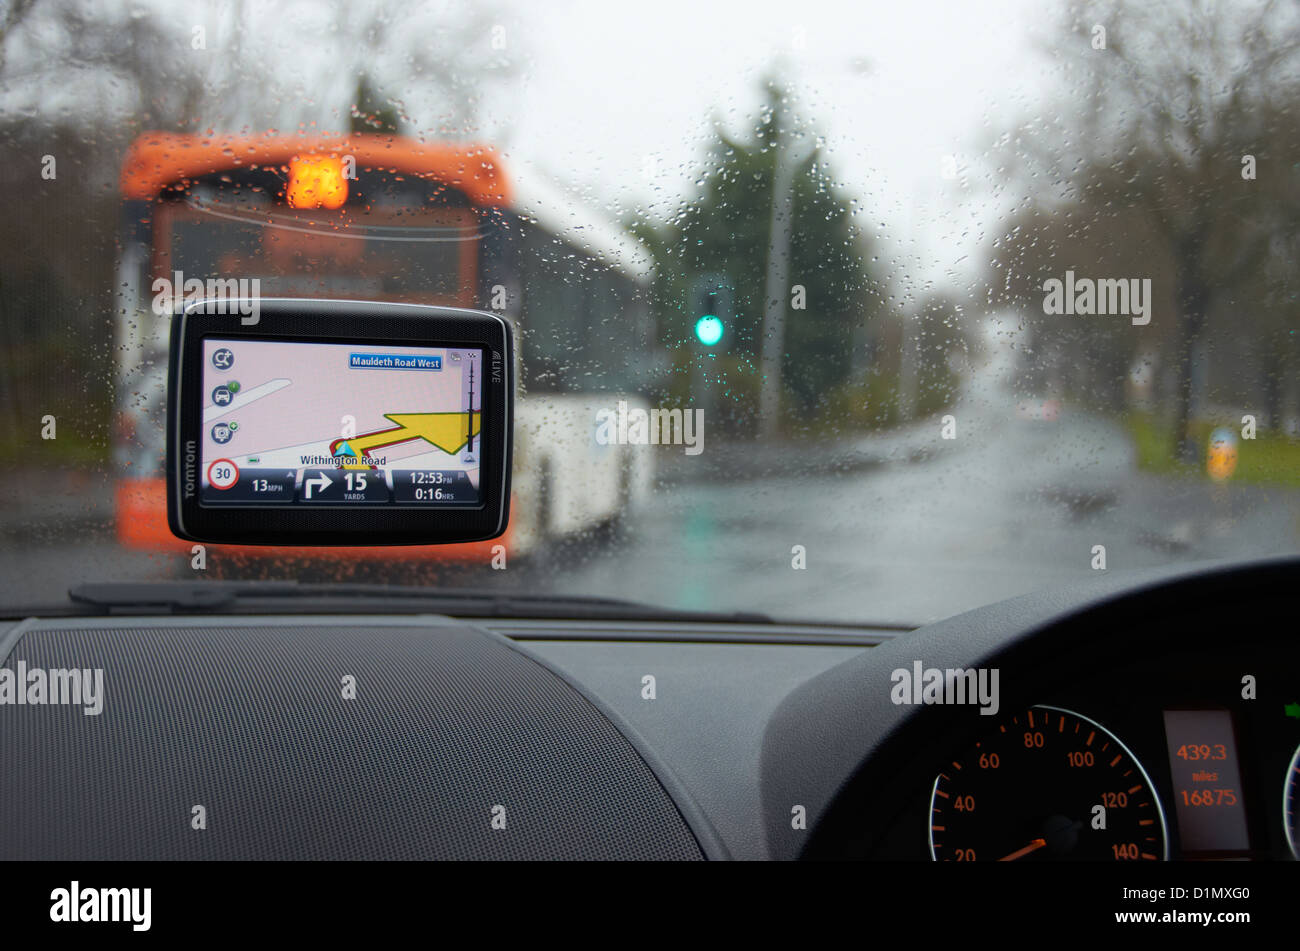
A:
[223,474]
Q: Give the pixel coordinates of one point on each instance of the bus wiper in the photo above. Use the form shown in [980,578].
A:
[291,597]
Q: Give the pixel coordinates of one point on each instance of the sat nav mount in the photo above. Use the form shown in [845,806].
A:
[338,423]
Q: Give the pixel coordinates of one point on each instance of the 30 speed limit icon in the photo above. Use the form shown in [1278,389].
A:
[223,474]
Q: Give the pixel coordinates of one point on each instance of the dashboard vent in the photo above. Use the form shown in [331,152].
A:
[690,632]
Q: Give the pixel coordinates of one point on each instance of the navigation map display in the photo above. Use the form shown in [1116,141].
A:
[339,424]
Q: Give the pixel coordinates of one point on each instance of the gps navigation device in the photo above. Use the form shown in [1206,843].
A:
[338,423]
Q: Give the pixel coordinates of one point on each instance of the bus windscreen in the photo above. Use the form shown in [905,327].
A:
[424,256]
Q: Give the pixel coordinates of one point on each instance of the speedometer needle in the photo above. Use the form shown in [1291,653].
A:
[1032,846]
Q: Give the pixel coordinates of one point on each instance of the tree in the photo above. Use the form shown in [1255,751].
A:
[726,231]
[371,113]
[12,16]
[190,66]
[446,66]
[81,78]
[1180,104]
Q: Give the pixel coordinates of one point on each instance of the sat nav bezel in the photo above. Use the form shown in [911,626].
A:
[364,323]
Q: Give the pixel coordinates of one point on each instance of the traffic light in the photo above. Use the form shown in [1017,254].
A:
[708,329]
[711,310]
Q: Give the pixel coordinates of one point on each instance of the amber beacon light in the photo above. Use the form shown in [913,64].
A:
[317,181]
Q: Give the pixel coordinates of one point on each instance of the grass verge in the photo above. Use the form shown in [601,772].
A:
[1269,459]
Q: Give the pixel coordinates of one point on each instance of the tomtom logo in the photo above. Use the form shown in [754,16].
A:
[191,465]
[496,367]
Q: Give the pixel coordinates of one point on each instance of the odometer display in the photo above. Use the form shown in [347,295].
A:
[1046,785]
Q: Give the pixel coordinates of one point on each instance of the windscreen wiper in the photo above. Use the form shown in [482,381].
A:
[291,597]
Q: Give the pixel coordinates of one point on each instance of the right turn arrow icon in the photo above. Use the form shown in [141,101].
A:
[321,482]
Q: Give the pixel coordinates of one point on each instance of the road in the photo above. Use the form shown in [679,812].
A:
[903,528]
[934,528]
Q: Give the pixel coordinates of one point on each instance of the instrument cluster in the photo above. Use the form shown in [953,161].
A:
[1194,756]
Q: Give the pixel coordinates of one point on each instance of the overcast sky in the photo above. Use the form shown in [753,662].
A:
[617,89]
[616,98]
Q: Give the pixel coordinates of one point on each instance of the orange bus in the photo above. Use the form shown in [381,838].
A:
[377,217]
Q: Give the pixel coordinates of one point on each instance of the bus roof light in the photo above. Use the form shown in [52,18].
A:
[317,181]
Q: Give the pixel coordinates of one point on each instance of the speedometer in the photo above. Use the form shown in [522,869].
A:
[1046,785]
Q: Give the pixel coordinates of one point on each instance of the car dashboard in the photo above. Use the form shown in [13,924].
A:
[1132,719]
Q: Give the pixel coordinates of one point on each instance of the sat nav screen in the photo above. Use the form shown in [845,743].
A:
[303,424]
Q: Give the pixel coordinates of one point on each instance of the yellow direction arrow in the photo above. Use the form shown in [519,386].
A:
[448,431]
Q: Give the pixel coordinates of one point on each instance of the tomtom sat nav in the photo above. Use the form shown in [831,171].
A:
[338,423]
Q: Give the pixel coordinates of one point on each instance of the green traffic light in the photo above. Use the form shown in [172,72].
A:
[708,330]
